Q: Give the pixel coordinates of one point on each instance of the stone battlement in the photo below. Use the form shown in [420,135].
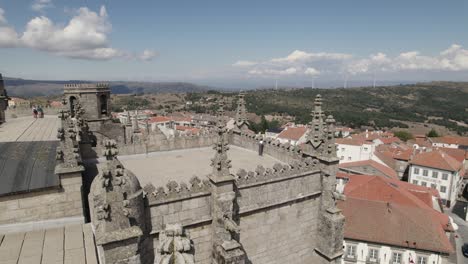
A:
[279,171]
[86,85]
[177,191]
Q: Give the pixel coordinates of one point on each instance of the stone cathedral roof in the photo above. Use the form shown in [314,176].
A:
[27,154]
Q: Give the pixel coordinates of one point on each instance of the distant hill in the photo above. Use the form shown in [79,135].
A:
[34,88]
[441,103]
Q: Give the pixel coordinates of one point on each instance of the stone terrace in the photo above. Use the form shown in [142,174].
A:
[180,165]
[68,245]
[30,129]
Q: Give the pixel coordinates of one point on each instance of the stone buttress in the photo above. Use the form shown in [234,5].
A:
[117,211]
[320,145]
[224,227]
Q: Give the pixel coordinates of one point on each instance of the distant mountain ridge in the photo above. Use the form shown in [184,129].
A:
[32,88]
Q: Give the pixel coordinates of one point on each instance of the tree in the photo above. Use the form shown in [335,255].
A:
[432,133]
[403,135]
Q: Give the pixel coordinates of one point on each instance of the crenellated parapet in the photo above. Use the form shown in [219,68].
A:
[279,171]
[283,151]
[86,85]
[68,154]
[174,191]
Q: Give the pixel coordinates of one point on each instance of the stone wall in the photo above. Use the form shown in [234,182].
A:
[140,143]
[277,209]
[283,234]
[46,204]
[181,204]
[284,152]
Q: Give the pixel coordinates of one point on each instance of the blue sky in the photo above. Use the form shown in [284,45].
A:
[234,43]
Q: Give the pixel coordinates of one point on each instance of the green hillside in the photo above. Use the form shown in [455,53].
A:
[441,103]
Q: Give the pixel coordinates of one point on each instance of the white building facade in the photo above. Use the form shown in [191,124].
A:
[351,153]
[362,252]
[446,182]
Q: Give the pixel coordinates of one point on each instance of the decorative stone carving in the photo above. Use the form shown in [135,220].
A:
[226,249]
[117,210]
[175,246]
[241,122]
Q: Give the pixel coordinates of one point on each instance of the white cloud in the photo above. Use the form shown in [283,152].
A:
[8,35]
[85,36]
[272,72]
[40,5]
[244,63]
[2,17]
[148,55]
[311,72]
[454,58]
[302,56]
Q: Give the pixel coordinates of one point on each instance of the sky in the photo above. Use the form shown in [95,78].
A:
[235,43]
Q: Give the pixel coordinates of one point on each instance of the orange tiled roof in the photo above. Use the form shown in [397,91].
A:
[392,212]
[388,140]
[351,141]
[459,154]
[450,140]
[437,159]
[293,133]
[159,119]
[184,128]
[389,172]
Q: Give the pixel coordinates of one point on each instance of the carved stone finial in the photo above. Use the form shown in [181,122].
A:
[111,149]
[63,114]
[220,162]
[175,246]
[241,113]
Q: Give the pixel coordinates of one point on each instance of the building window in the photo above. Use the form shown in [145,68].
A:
[349,158]
[366,149]
[433,186]
[444,176]
[373,254]
[435,174]
[342,158]
[416,171]
[422,260]
[350,251]
[415,182]
[396,257]
[443,189]
[342,149]
[423,184]
[425,172]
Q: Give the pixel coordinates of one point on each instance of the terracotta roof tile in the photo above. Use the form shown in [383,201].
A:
[450,140]
[436,159]
[351,141]
[387,211]
[159,119]
[293,133]
[389,172]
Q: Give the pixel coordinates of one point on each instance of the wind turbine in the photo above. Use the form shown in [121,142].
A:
[374,80]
